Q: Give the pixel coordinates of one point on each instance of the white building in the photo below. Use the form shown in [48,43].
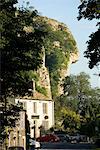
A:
[40,114]
[39,107]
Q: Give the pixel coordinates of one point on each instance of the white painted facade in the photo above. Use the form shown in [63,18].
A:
[39,112]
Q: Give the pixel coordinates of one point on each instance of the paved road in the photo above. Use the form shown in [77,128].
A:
[85,146]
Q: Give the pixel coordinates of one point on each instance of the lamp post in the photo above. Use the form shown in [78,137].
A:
[40,130]
[34,130]
[18,136]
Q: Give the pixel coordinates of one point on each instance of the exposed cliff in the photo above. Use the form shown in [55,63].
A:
[60,51]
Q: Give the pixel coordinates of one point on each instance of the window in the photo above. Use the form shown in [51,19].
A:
[45,124]
[45,110]
[34,107]
[24,105]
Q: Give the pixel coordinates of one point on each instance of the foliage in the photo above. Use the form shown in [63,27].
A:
[55,60]
[54,76]
[65,117]
[79,99]
[59,44]
[57,57]
[20,53]
[71,120]
[8,117]
[88,128]
[21,46]
[76,89]
[90,9]
[93,49]
[41,90]
[92,118]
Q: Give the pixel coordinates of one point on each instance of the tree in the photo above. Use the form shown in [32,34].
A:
[20,53]
[76,89]
[9,114]
[79,106]
[71,120]
[21,47]
[90,9]
[84,100]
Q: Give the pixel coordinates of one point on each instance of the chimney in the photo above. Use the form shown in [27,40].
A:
[31,87]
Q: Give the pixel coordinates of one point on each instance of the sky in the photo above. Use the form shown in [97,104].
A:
[66,11]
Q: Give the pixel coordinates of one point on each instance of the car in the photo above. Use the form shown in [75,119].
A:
[68,138]
[16,148]
[62,137]
[75,138]
[48,138]
[34,144]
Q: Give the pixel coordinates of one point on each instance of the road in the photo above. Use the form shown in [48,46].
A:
[67,146]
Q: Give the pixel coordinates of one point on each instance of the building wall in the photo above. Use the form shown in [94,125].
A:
[42,114]
[17,135]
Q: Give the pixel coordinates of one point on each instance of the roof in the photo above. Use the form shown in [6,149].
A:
[37,96]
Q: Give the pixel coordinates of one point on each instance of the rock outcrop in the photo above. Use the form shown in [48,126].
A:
[71,55]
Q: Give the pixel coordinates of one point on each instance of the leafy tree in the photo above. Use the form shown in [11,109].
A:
[55,59]
[79,100]
[20,53]
[76,89]
[88,127]
[71,120]
[84,100]
[90,9]
[9,114]
[21,46]
[92,119]
[65,117]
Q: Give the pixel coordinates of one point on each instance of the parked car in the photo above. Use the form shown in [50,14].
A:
[68,137]
[34,144]
[16,148]
[48,138]
[76,138]
[62,137]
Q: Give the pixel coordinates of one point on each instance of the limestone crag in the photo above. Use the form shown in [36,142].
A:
[44,79]
[74,55]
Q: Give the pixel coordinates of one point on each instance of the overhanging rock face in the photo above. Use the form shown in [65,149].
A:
[60,39]
[74,54]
